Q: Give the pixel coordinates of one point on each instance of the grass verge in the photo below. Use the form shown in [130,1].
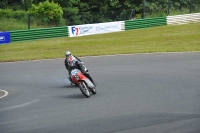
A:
[174,38]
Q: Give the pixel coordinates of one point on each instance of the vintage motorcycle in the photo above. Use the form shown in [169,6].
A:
[84,84]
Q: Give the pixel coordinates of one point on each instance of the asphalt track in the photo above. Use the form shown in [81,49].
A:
[141,93]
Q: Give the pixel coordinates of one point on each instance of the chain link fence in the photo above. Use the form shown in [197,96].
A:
[169,8]
[146,10]
[20,20]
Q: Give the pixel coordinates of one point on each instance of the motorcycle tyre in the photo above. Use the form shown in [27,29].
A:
[94,91]
[83,88]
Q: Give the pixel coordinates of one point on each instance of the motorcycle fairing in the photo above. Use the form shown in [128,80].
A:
[89,83]
[82,78]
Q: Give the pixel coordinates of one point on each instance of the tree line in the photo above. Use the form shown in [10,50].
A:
[92,11]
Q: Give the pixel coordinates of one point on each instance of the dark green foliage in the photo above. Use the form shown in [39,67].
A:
[50,13]
[71,15]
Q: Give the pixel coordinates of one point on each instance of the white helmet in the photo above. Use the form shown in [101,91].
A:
[68,53]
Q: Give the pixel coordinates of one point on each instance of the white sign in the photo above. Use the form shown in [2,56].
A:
[89,29]
[2,38]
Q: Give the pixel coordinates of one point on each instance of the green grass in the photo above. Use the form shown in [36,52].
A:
[176,38]
[9,24]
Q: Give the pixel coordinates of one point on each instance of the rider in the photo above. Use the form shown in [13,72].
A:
[77,64]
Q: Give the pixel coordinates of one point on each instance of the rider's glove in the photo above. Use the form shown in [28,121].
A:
[85,72]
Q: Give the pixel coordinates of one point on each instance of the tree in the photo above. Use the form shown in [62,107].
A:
[11,4]
[70,11]
[27,4]
[52,12]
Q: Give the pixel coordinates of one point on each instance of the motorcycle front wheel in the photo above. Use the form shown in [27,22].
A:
[84,89]
[93,90]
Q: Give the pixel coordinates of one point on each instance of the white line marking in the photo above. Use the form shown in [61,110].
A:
[6,93]
[14,121]
[21,105]
[35,117]
[107,55]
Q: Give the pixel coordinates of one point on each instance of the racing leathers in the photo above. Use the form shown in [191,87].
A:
[72,62]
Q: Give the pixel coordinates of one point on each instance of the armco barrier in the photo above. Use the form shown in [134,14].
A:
[32,34]
[183,19]
[145,23]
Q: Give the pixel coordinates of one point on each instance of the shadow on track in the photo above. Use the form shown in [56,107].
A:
[73,96]
[65,87]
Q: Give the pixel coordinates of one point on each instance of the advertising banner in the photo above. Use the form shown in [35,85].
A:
[89,29]
[4,37]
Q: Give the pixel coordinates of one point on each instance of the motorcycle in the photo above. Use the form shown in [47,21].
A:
[84,84]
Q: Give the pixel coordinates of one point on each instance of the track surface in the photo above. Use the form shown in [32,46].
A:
[154,93]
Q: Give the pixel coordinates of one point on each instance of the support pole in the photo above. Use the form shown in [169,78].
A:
[143,15]
[29,21]
[168,12]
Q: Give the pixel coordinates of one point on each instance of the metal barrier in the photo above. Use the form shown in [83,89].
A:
[32,34]
[145,23]
[183,19]
[21,35]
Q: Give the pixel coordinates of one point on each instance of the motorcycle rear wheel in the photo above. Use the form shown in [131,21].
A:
[84,89]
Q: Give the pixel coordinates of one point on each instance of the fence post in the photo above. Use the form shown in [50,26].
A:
[82,17]
[190,6]
[132,15]
[29,22]
[143,14]
[168,7]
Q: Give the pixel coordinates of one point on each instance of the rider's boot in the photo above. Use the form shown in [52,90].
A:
[90,78]
[85,72]
[71,82]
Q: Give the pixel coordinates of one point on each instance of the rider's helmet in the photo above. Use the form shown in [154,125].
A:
[71,61]
[67,54]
